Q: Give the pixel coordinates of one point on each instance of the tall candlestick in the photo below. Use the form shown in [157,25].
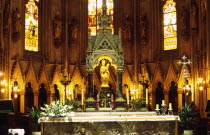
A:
[127,95]
[146,96]
[82,97]
[170,106]
[157,106]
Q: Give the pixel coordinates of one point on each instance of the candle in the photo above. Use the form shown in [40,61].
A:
[146,96]
[143,71]
[170,106]
[82,97]
[163,102]
[157,106]
[127,95]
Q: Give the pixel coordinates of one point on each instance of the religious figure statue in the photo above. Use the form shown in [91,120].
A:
[184,24]
[16,24]
[74,25]
[58,28]
[57,95]
[143,27]
[127,29]
[104,70]
[203,9]
[7,18]
[194,15]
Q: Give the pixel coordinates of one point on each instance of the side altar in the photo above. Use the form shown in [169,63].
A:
[110,123]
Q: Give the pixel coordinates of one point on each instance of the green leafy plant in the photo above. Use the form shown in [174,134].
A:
[187,117]
[35,115]
[138,101]
[73,103]
[56,109]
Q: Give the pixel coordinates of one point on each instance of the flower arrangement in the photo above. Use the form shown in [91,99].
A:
[56,109]
[138,101]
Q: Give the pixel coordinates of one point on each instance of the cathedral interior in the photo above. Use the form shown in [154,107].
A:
[80,49]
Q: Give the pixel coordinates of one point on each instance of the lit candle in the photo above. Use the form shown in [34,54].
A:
[170,106]
[157,106]
[163,102]
[82,97]
[127,95]
[146,96]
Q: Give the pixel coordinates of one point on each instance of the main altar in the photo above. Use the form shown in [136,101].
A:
[111,123]
[106,111]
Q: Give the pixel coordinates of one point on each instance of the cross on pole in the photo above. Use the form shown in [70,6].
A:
[185,62]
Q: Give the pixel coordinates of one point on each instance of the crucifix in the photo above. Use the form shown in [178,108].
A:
[185,62]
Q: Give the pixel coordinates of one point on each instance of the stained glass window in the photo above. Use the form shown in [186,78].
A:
[31,26]
[95,8]
[170,27]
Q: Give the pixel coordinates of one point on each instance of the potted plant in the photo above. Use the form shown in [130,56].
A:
[35,115]
[75,104]
[137,103]
[187,119]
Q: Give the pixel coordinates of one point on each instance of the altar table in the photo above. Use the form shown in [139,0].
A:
[111,123]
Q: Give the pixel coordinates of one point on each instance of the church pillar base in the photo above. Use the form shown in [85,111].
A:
[120,104]
[90,104]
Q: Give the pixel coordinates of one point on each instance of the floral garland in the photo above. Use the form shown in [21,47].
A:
[56,109]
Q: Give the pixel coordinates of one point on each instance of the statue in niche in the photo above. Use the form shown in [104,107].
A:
[57,95]
[127,29]
[159,95]
[203,9]
[74,29]
[58,29]
[42,95]
[173,96]
[7,18]
[184,21]
[194,15]
[104,71]
[29,96]
[16,24]
[143,27]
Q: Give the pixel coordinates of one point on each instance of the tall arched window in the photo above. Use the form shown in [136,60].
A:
[31,26]
[94,9]
[170,27]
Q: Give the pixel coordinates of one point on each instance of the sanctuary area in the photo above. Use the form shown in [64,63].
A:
[105,67]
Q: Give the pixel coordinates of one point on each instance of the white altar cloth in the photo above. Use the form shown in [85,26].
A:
[111,117]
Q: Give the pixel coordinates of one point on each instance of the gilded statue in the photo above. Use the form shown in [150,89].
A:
[104,71]
[194,15]
[143,27]
[127,29]
[74,25]
[58,26]
[17,21]
[7,18]
[184,21]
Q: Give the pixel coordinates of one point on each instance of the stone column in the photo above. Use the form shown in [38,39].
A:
[180,91]
[36,98]
[90,101]
[90,84]
[120,101]
[119,84]
[22,101]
